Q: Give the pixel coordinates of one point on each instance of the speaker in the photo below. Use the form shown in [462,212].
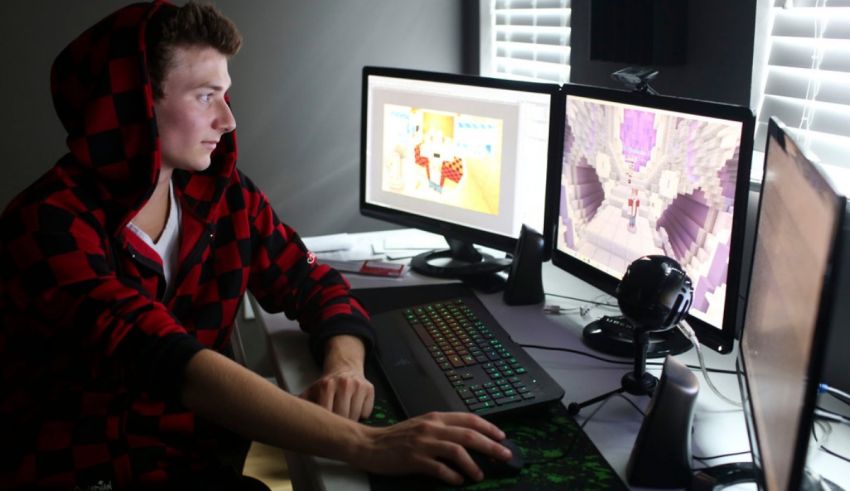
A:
[661,457]
[525,280]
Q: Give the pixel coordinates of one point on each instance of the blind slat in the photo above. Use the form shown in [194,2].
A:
[528,4]
[798,53]
[546,40]
[560,57]
[807,78]
[796,83]
[795,22]
[527,39]
[828,118]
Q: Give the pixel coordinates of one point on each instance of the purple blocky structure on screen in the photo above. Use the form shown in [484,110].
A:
[637,181]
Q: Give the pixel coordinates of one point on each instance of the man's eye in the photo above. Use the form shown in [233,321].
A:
[205,98]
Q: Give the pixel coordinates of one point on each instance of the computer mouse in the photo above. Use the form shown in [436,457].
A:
[493,468]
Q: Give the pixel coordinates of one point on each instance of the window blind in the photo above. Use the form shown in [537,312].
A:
[807,78]
[526,39]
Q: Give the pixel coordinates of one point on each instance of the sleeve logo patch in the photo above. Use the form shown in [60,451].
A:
[311,258]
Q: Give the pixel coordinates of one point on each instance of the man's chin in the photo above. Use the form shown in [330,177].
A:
[199,166]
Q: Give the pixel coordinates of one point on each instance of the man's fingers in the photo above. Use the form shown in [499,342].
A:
[342,398]
[458,458]
[357,400]
[326,395]
[368,403]
[471,421]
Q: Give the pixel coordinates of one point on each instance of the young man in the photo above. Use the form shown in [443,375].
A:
[121,270]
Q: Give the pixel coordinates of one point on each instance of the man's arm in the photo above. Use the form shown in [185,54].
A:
[343,387]
[232,396]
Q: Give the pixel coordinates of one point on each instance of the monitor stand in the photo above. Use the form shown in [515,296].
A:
[462,261]
[613,335]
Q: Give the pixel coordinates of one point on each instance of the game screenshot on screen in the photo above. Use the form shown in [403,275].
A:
[464,157]
[640,181]
[449,158]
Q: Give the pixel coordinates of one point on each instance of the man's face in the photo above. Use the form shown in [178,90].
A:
[192,114]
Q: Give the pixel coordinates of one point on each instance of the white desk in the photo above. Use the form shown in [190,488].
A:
[719,428]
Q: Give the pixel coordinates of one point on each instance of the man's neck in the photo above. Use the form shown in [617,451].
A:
[154,214]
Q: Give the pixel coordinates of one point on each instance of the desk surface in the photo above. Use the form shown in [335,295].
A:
[719,428]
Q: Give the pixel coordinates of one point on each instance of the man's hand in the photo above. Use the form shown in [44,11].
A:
[343,388]
[436,444]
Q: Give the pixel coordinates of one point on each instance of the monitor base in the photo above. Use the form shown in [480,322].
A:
[461,260]
[613,336]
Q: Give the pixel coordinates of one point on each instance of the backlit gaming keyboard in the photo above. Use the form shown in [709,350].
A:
[454,356]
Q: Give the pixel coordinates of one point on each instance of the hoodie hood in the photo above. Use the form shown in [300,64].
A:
[103,96]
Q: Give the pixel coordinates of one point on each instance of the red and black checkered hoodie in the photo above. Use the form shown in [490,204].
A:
[91,356]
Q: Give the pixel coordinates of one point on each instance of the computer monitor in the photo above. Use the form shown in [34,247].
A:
[788,309]
[461,156]
[646,174]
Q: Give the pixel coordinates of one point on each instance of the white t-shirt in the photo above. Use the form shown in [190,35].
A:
[168,244]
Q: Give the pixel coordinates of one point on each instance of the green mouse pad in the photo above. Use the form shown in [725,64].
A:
[557,452]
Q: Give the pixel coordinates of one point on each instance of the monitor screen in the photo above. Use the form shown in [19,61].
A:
[788,306]
[646,174]
[465,157]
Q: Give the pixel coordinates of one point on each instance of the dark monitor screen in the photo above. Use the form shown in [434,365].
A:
[465,157]
[788,308]
[645,174]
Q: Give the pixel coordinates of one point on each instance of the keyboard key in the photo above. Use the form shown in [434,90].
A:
[482,406]
[507,400]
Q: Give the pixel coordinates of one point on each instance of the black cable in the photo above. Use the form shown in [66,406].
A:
[733,454]
[618,362]
[592,414]
[581,300]
[831,412]
[694,367]
[837,395]
[577,352]
[634,405]
[825,428]
[834,454]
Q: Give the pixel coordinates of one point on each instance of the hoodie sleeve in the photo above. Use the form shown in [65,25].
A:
[286,277]
[59,271]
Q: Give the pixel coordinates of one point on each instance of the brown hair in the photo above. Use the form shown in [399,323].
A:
[190,25]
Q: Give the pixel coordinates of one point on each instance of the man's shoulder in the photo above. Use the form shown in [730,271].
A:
[56,195]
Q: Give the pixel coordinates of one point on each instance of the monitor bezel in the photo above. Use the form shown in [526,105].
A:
[817,359]
[721,340]
[445,228]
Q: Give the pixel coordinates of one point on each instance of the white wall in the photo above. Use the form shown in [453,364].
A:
[296,90]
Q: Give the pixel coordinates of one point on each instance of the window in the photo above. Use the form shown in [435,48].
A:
[806,80]
[526,39]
